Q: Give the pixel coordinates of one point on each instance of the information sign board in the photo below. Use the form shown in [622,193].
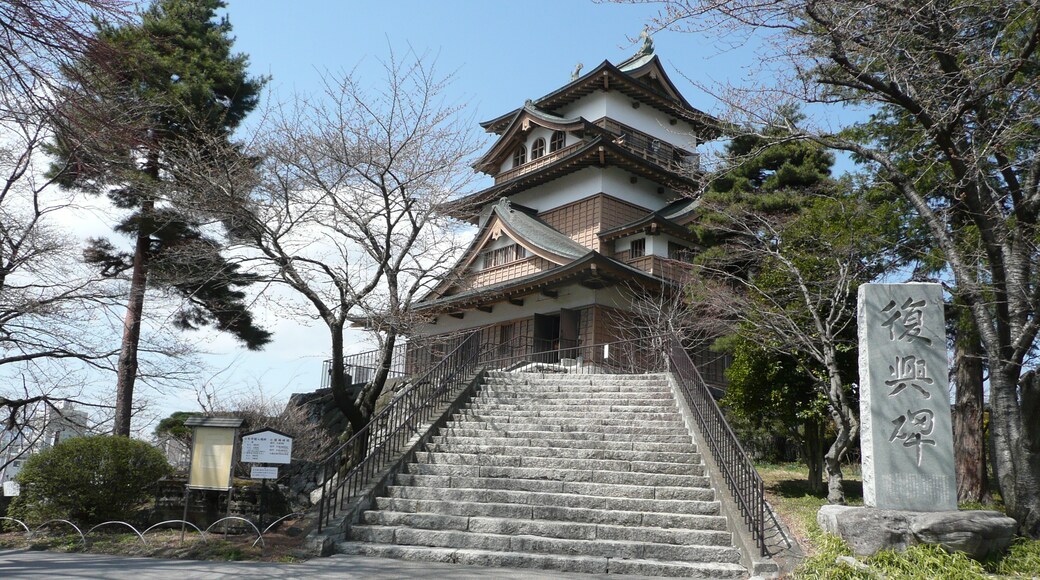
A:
[266,446]
[263,473]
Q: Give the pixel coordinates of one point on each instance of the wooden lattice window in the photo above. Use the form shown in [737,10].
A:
[520,156]
[679,252]
[500,256]
[537,148]
[638,248]
[556,141]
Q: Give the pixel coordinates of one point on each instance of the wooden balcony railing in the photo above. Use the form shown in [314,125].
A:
[673,270]
[536,163]
[651,148]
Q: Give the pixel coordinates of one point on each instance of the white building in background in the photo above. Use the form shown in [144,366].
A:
[45,429]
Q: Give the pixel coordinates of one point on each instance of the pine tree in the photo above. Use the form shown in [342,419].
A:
[160,93]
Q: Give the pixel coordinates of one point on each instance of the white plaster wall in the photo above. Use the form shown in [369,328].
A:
[533,136]
[651,121]
[562,191]
[573,296]
[591,107]
[590,181]
[647,119]
[655,245]
[643,193]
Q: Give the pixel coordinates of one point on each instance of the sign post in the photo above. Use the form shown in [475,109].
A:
[212,454]
[265,446]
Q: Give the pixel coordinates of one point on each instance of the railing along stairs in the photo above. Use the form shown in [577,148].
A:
[742,479]
[352,466]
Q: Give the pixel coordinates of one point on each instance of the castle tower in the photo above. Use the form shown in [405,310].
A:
[591,198]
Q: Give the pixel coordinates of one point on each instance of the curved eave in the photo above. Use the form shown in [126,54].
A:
[599,152]
[593,270]
[492,160]
[652,224]
[531,245]
[607,77]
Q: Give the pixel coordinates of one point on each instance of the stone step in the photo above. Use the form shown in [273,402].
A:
[557,424]
[697,493]
[572,453]
[604,434]
[566,530]
[572,407]
[590,415]
[542,545]
[707,521]
[491,393]
[585,475]
[582,564]
[589,378]
[586,444]
[628,390]
[568,463]
[707,507]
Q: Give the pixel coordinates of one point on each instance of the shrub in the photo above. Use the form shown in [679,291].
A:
[88,479]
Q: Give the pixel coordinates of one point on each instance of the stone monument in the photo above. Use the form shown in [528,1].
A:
[906,435]
[906,432]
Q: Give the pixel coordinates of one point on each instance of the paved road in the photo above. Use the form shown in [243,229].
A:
[30,564]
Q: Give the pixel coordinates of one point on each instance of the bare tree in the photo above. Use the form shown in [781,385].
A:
[345,206]
[39,38]
[799,300]
[53,310]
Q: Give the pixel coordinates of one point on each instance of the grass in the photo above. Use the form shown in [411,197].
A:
[829,558]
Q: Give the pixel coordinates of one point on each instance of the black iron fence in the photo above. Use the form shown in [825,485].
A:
[736,466]
[362,367]
[353,465]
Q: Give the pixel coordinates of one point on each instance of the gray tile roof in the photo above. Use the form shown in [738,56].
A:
[538,233]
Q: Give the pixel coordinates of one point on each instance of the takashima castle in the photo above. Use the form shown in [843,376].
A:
[590,201]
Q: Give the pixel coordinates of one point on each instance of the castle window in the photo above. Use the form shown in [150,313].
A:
[538,148]
[679,252]
[638,248]
[510,253]
[556,141]
[519,156]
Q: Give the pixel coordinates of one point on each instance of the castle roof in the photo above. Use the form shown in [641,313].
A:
[643,78]
[593,270]
[668,219]
[600,151]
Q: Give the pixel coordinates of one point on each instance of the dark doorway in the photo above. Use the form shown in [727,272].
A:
[556,335]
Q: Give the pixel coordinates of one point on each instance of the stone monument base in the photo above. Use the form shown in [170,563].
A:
[869,530]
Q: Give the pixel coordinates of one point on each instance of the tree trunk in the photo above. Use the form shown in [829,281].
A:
[127,365]
[847,426]
[338,382]
[968,436]
[814,454]
[371,392]
[1015,445]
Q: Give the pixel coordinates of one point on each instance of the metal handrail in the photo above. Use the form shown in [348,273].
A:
[349,468]
[636,355]
[737,469]
[362,366]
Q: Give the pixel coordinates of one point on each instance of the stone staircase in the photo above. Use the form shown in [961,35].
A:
[578,473]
